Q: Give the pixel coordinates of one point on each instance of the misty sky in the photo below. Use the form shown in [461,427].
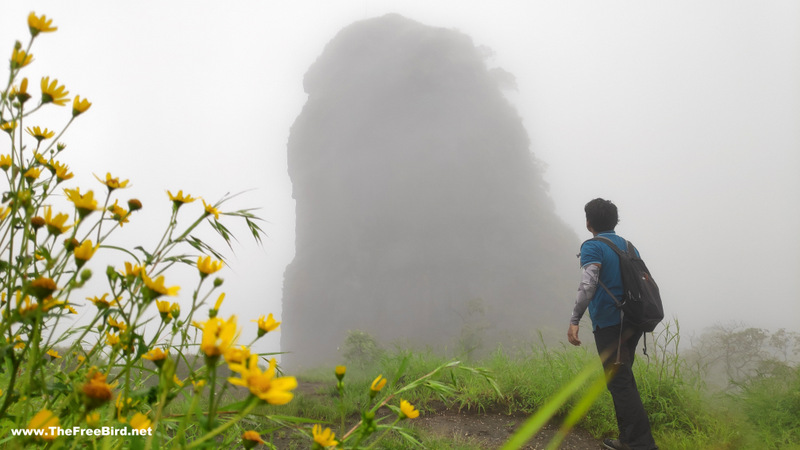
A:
[686,114]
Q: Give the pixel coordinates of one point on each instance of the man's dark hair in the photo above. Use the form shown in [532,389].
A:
[601,215]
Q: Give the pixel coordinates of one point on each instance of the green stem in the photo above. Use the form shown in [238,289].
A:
[212,398]
[380,438]
[225,426]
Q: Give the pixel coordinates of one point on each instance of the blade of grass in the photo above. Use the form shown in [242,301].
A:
[548,410]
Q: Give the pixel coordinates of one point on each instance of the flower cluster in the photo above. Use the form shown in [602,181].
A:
[93,373]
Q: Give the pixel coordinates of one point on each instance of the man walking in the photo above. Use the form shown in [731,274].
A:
[616,341]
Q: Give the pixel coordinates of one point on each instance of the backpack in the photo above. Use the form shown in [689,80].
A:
[641,301]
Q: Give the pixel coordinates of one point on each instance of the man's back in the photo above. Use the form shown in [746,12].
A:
[602,309]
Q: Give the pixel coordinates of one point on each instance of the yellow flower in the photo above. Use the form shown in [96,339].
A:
[266,325]
[340,371]
[157,287]
[123,406]
[206,266]
[377,385]
[163,306]
[407,410]
[52,92]
[61,171]
[117,325]
[167,311]
[132,270]
[251,438]
[84,203]
[39,24]
[20,59]
[210,209]
[198,386]
[79,106]
[55,225]
[53,354]
[5,160]
[218,336]
[40,134]
[8,127]
[93,420]
[42,287]
[84,252]
[71,310]
[213,312]
[118,213]
[32,173]
[175,310]
[112,339]
[112,183]
[264,385]
[45,420]
[237,355]
[102,303]
[96,389]
[20,93]
[325,438]
[179,199]
[140,421]
[157,355]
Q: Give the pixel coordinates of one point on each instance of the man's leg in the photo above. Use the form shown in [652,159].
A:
[634,427]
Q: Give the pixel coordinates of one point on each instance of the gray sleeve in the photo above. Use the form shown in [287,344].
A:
[586,292]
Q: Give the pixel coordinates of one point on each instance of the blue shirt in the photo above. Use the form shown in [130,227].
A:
[602,308]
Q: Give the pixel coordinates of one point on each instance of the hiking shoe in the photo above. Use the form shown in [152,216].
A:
[614,444]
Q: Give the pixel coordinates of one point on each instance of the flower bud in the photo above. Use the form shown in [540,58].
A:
[71,243]
[37,222]
[340,371]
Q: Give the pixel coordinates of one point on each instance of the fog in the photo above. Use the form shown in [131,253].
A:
[685,114]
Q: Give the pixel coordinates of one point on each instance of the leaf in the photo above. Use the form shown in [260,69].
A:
[291,419]
[148,256]
[203,247]
[548,410]
[410,439]
[223,231]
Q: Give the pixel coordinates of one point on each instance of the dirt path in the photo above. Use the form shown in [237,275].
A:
[491,430]
[487,430]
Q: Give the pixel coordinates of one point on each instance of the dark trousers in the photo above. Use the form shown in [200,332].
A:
[634,427]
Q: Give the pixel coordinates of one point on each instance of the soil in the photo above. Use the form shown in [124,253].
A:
[490,430]
[487,430]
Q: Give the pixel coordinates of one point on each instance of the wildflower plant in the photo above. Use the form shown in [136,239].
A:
[118,367]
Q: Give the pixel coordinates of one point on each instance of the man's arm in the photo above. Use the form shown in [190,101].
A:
[586,290]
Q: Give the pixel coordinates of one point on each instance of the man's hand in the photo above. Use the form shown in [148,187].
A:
[572,335]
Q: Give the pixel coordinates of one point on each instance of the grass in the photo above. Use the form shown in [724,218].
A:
[764,413]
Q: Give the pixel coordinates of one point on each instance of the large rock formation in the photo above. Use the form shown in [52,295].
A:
[422,215]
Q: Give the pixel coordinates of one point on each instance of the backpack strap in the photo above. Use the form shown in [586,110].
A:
[619,304]
[631,252]
[613,246]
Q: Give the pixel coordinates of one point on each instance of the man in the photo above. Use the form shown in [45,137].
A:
[616,341]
